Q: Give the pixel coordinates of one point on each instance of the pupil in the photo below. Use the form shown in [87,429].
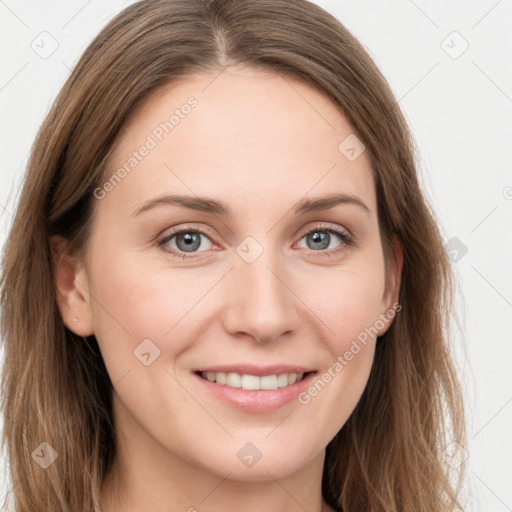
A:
[192,241]
[320,237]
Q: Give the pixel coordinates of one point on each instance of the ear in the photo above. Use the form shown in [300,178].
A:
[391,294]
[71,288]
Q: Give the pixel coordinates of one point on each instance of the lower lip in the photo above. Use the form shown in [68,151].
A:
[260,400]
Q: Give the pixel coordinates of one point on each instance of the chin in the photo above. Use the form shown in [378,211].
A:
[255,462]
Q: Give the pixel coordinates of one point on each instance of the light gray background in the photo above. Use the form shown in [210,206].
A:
[459,108]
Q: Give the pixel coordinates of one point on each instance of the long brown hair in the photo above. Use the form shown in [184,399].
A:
[391,453]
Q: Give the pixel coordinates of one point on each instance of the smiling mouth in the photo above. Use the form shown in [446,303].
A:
[253,382]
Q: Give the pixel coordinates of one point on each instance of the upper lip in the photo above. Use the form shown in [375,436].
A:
[259,371]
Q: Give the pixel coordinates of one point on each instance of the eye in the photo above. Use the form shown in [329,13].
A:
[320,237]
[184,241]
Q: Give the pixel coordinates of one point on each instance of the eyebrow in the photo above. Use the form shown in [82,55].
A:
[209,205]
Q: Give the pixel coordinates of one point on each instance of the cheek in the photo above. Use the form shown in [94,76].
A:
[348,301]
[350,310]
[135,301]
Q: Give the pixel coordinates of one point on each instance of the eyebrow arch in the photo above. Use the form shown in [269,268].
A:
[206,204]
[328,201]
[203,204]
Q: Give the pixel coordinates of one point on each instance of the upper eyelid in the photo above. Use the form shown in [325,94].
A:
[190,227]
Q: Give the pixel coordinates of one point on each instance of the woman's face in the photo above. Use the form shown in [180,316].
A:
[258,283]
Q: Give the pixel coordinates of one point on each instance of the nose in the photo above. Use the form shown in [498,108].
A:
[260,302]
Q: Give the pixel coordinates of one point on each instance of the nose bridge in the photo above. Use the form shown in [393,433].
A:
[261,304]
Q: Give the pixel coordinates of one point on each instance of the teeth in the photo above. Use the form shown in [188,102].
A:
[269,382]
[234,380]
[282,380]
[253,382]
[221,378]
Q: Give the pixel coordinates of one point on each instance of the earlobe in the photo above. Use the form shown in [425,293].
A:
[71,289]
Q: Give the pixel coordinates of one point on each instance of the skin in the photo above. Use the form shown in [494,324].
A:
[260,143]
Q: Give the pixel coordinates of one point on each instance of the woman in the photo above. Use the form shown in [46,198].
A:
[223,287]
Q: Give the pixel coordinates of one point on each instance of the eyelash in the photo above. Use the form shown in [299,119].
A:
[347,239]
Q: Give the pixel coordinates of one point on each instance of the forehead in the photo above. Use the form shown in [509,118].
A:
[246,136]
